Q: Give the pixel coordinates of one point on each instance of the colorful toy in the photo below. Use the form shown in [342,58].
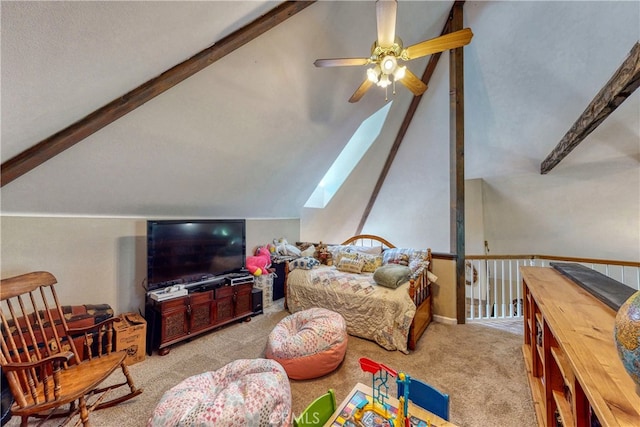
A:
[322,254]
[377,412]
[259,263]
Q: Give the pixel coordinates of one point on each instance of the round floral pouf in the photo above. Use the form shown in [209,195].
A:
[627,336]
[309,343]
[245,392]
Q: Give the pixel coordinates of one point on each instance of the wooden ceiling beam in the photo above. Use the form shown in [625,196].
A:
[625,80]
[71,135]
[426,77]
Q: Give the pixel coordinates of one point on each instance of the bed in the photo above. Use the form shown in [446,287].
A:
[393,318]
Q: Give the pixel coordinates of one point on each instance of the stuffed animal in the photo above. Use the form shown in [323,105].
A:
[402,259]
[322,254]
[259,263]
[282,247]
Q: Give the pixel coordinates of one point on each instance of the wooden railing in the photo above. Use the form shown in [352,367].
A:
[494,290]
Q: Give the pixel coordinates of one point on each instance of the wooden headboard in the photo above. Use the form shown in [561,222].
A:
[369,240]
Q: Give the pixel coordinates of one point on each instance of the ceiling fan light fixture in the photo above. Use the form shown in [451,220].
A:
[399,72]
[384,80]
[373,74]
[388,64]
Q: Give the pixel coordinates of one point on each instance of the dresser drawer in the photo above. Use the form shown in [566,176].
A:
[224,292]
[200,297]
[173,304]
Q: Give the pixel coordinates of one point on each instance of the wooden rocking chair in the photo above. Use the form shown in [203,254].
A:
[40,359]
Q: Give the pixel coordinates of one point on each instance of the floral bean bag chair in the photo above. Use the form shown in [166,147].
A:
[309,343]
[245,392]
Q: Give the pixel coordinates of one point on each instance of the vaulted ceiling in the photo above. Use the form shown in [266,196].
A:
[252,134]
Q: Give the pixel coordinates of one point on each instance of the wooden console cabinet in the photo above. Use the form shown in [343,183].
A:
[178,319]
[572,364]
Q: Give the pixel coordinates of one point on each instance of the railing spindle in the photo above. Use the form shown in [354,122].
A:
[484,292]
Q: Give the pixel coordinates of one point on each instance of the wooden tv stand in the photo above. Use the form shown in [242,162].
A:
[572,363]
[182,318]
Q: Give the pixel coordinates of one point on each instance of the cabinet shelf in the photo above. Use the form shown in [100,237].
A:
[540,353]
[565,371]
[564,408]
[563,366]
[537,388]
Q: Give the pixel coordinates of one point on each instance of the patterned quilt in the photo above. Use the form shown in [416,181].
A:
[372,312]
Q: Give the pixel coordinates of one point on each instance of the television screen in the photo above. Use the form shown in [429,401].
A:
[184,251]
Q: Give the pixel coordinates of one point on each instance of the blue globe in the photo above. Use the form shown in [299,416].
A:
[627,336]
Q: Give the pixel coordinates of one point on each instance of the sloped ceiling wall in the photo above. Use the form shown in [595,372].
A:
[251,135]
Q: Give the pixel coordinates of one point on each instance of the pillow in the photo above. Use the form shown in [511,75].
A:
[391,275]
[308,251]
[372,250]
[394,255]
[419,255]
[400,259]
[304,245]
[417,265]
[371,262]
[416,259]
[343,254]
[304,263]
[350,265]
[336,249]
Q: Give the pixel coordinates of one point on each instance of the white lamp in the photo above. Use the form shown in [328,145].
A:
[373,74]
[388,64]
[384,80]
[399,72]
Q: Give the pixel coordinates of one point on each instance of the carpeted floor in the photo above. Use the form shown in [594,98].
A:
[480,367]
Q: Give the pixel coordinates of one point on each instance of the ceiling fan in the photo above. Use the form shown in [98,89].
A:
[387,54]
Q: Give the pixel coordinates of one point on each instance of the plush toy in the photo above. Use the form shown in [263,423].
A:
[402,259]
[322,254]
[282,247]
[259,263]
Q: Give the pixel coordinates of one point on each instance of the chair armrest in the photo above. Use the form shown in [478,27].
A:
[19,366]
[82,330]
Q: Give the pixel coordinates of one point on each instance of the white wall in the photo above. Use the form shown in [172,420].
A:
[474,217]
[99,260]
[591,211]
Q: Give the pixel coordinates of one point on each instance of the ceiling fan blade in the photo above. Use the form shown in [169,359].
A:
[340,62]
[439,44]
[359,93]
[386,19]
[413,83]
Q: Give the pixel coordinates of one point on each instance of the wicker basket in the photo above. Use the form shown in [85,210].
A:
[265,282]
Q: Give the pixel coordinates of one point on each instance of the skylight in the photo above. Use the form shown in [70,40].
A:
[351,154]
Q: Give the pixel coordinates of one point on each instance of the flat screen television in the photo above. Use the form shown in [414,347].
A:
[186,251]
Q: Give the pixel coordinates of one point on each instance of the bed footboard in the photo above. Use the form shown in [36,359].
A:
[420,292]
